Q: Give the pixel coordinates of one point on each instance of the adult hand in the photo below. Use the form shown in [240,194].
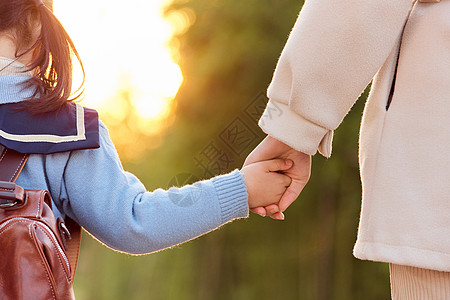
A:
[300,172]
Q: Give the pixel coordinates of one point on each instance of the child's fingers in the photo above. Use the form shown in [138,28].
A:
[259,210]
[278,181]
[272,209]
[285,180]
[277,164]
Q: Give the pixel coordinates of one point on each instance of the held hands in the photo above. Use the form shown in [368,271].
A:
[299,173]
[264,185]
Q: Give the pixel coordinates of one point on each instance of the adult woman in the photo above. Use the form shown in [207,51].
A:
[333,52]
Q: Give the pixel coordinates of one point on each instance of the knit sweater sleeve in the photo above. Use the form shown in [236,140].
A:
[334,50]
[114,206]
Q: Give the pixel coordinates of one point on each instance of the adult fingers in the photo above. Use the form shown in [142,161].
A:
[277,216]
[269,148]
[291,194]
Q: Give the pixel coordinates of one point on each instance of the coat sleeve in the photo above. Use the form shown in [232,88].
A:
[332,54]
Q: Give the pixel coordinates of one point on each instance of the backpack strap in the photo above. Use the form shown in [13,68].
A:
[73,244]
[12,163]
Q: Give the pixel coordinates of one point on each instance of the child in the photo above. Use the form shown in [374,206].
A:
[75,160]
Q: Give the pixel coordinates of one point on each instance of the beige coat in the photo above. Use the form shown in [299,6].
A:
[335,49]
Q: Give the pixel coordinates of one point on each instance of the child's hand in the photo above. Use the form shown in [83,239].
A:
[264,185]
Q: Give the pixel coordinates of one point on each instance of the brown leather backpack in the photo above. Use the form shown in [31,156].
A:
[38,252]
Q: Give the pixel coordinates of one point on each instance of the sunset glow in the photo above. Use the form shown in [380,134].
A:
[124,41]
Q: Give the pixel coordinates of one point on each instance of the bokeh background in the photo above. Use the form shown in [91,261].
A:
[181,84]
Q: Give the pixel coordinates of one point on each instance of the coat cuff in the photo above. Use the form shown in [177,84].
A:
[280,122]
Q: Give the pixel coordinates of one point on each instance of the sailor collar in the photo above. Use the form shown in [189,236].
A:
[70,128]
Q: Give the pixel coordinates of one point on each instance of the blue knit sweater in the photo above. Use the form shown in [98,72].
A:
[91,187]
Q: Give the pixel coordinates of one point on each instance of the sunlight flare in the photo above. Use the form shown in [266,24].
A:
[117,42]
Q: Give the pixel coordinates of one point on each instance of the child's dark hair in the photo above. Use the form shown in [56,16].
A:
[52,52]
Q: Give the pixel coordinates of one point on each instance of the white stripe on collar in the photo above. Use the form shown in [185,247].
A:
[31,138]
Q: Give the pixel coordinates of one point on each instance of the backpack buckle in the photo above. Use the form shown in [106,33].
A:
[11,195]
